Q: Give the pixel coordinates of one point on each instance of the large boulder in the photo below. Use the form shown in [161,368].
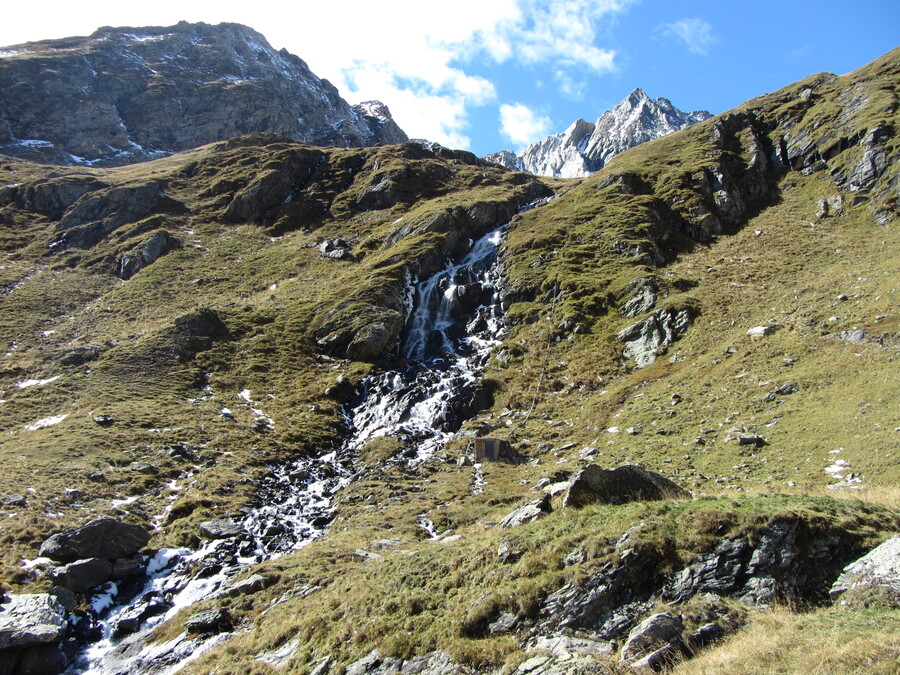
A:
[30,620]
[101,538]
[83,575]
[880,568]
[619,486]
[658,635]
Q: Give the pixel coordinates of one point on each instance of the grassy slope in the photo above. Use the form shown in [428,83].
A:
[551,391]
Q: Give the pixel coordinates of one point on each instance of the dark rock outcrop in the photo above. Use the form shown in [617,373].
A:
[101,538]
[156,245]
[130,94]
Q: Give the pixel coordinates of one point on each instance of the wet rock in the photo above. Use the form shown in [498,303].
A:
[29,620]
[528,513]
[132,619]
[157,245]
[101,538]
[210,621]
[82,575]
[221,528]
[651,337]
[619,486]
[657,632]
[880,567]
[43,660]
[127,567]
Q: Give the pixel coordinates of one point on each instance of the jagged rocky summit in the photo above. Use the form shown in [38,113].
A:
[586,147]
[123,95]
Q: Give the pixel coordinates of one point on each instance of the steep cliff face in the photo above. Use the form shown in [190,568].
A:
[131,94]
[584,147]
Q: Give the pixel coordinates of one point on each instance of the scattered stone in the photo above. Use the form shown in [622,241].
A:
[29,620]
[221,528]
[764,331]
[367,555]
[103,420]
[528,513]
[209,621]
[853,336]
[101,538]
[879,567]
[745,438]
[14,500]
[619,486]
[783,390]
[82,575]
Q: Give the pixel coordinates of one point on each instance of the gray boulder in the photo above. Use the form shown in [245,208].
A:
[619,486]
[209,621]
[643,298]
[29,620]
[101,538]
[148,252]
[647,339]
[528,513]
[83,575]
[221,528]
[880,567]
[658,632]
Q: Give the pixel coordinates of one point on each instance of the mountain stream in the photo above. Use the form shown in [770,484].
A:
[454,320]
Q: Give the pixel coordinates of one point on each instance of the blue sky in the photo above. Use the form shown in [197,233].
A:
[487,75]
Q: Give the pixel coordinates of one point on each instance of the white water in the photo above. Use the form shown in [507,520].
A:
[455,320]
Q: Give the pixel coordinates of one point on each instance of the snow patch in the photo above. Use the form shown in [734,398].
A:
[46,422]
[36,383]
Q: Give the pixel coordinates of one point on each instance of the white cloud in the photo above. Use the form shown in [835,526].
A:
[521,124]
[695,35]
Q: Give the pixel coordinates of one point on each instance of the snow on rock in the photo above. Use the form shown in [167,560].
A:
[586,147]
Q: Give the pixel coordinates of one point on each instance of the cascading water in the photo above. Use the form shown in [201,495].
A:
[455,320]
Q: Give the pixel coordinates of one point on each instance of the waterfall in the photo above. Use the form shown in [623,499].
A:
[454,320]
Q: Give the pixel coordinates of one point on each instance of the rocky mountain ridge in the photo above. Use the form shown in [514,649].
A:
[124,95]
[586,147]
